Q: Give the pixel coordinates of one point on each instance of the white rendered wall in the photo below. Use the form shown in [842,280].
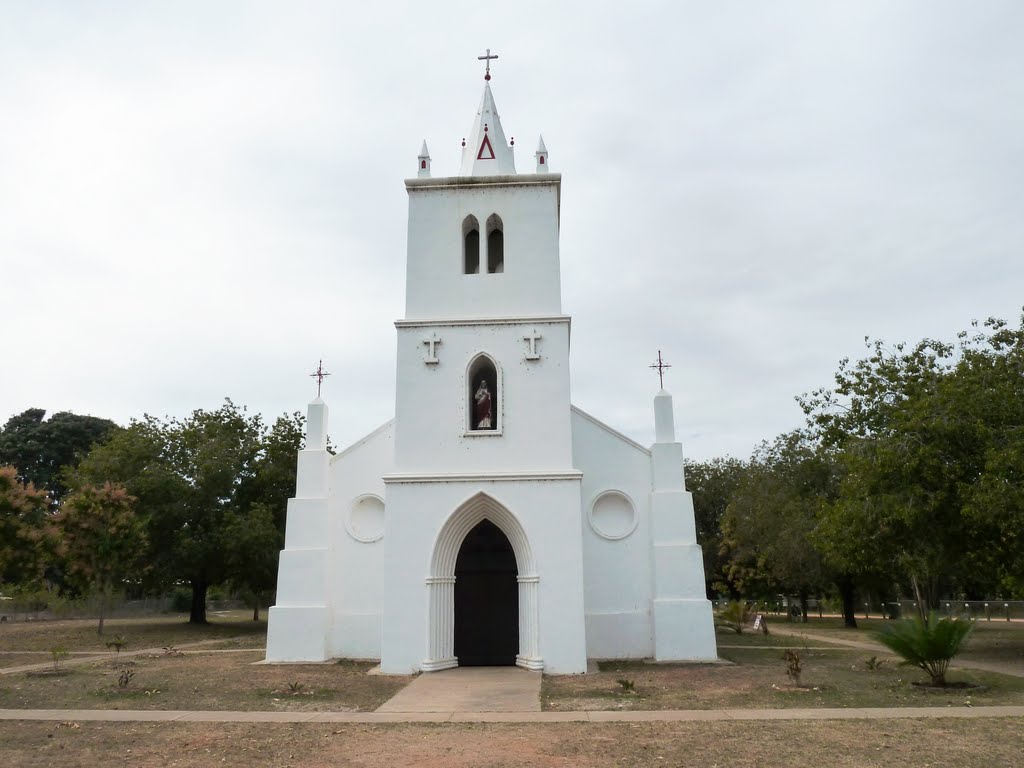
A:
[433,398]
[548,512]
[356,577]
[436,287]
[616,571]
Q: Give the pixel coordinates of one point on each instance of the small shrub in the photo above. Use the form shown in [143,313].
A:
[295,688]
[928,645]
[170,650]
[627,685]
[125,678]
[181,600]
[734,616]
[117,643]
[59,654]
[874,663]
[793,668]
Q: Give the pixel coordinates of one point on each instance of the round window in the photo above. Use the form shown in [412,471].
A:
[612,515]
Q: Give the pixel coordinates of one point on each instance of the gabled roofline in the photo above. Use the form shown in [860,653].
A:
[610,430]
[362,440]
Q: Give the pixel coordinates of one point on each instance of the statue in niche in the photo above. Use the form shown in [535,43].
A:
[483,410]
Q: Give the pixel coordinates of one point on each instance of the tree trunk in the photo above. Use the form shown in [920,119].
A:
[803,606]
[256,609]
[849,597]
[921,598]
[103,603]
[198,611]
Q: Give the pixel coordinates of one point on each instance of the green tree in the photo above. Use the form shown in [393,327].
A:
[771,517]
[102,539]
[200,482]
[39,449]
[927,436]
[712,484]
[24,520]
[252,557]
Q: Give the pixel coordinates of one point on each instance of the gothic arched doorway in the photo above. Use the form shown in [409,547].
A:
[486,599]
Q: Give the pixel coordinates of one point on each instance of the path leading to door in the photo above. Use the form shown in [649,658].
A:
[469,689]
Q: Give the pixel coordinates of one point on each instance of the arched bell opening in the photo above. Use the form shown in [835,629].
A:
[486,631]
[470,246]
[495,244]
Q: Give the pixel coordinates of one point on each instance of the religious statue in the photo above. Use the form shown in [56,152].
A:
[483,413]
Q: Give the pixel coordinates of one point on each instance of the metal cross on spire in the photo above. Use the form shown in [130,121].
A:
[487,57]
[661,365]
[320,374]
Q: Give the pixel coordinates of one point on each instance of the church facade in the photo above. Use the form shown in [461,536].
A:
[490,522]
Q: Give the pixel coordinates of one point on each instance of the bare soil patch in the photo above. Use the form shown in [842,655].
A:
[839,744]
[758,680]
[151,632]
[220,681]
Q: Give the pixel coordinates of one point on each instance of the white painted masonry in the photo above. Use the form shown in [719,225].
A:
[602,529]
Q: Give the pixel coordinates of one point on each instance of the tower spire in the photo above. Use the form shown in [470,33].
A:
[485,151]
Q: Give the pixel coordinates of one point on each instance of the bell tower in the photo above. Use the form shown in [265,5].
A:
[483,349]
[483,421]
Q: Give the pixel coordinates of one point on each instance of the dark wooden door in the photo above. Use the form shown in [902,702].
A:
[486,599]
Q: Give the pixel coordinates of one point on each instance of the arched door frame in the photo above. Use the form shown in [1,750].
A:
[441,582]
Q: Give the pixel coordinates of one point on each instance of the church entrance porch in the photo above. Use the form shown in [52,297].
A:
[483,549]
[486,599]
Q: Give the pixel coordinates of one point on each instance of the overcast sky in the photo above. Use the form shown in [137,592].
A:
[200,200]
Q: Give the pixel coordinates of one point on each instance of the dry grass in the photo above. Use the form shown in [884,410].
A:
[839,678]
[996,743]
[222,681]
[152,632]
[991,641]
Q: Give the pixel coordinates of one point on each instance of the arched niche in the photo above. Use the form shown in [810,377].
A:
[495,244]
[483,392]
[470,245]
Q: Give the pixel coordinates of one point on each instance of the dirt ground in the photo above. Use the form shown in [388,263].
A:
[839,678]
[151,632]
[991,641]
[224,681]
[997,743]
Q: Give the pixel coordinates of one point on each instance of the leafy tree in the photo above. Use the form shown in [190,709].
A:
[102,538]
[712,484]
[200,482]
[39,449]
[771,517]
[24,519]
[929,438]
[256,543]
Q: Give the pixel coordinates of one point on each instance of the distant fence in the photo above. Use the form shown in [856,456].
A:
[983,610]
[34,608]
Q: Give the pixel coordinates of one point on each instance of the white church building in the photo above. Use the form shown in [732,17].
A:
[490,522]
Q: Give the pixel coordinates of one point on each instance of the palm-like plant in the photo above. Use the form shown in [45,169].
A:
[733,616]
[929,645]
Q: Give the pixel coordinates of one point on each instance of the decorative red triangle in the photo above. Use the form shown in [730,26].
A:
[485,144]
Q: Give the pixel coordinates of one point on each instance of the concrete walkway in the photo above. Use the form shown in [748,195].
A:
[590,716]
[469,689]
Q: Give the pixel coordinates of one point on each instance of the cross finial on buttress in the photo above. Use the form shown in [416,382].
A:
[661,365]
[319,374]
